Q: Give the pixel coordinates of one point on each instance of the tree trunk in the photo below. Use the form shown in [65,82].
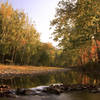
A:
[13,54]
[98,52]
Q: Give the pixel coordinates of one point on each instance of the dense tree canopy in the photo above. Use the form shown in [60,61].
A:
[20,41]
[16,33]
[76,25]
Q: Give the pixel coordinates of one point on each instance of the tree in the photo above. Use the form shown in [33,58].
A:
[45,55]
[17,35]
[75,24]
[90,17]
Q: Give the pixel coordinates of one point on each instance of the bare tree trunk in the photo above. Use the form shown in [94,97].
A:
[98,52]
[3,59]
[13,55]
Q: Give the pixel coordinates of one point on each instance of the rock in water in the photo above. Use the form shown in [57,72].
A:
[5,91]
[20,91]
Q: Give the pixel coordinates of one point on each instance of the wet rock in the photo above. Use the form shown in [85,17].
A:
[20,91]
[57,89]
[4,88]
[6,91]
[98,89]
[27,91]
[30,92]
[54,89]
[79,87]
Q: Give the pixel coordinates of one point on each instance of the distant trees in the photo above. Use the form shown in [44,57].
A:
[76,26]
[45,55]
[20,41]
[16,34]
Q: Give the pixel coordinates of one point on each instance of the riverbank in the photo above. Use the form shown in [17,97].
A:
[56,82]
[14,70]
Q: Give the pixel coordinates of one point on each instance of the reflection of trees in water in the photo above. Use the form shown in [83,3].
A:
[73,77]
[26,81]
[93,76]
[69,77]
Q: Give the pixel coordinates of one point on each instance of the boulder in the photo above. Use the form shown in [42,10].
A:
[30,92]
[6,91]
[20,91]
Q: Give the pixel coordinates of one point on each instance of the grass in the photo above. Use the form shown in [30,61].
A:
[14,69]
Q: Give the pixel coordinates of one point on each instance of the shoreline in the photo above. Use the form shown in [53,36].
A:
[11,71]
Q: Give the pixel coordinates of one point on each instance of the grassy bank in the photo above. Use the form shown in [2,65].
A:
[14,69]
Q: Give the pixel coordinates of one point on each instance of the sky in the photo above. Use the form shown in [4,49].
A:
[41,12]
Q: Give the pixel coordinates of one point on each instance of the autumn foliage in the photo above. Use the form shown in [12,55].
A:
[20,41]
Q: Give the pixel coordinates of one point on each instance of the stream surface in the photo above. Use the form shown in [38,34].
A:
[45,79]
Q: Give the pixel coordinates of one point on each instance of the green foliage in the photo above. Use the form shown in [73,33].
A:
[19,40]
[75,26]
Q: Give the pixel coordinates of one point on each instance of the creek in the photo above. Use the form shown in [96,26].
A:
[45,79]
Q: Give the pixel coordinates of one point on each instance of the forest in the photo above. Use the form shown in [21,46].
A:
[31,69]
[76,27]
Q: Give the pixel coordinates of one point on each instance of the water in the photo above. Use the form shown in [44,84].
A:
[67,96]
[44,79]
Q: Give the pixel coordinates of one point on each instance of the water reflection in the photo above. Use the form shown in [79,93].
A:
[66,77]
[64,96]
